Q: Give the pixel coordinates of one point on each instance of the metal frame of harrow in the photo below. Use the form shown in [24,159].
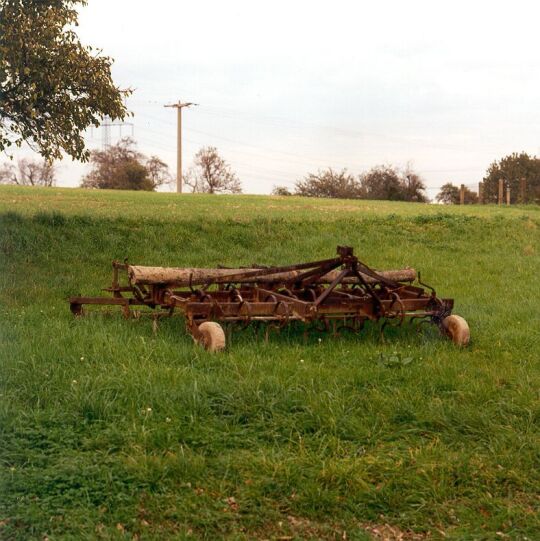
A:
[356,294]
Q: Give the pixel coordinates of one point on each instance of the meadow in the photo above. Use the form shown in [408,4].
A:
[109,431]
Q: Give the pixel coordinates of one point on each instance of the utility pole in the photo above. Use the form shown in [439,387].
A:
[522,190]
[179,106]
[481,192]
[501,192]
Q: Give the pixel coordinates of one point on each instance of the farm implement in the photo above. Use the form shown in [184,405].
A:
[340,293]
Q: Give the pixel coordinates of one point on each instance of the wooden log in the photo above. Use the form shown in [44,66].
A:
[183,277]
[401,275]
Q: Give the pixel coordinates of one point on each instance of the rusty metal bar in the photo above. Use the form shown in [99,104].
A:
[331,287]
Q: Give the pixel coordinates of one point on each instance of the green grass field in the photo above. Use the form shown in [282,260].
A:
[108,431]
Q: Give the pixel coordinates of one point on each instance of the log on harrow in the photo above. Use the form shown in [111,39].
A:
[342,290]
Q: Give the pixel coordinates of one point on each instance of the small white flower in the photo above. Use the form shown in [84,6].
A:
[148,410]
[82,358]
[168,419]
[301,360]
[74,381]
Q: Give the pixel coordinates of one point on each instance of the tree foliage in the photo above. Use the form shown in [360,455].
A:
[281,191]
[28,173]
[158,171]
[471,198]
[329,183]
[450,195]
[382,182]
[414,187]
[511,169]
[51,86]
[211,174]
[393,184]
[122,167]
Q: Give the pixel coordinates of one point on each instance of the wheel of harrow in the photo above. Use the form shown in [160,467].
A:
[457,329]
[212,337]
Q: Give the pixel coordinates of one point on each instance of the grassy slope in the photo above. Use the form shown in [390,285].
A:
[107,431]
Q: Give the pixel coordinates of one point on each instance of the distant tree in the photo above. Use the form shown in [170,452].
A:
[281,190]
[471,198]
[158,171]
[511,169]
[414,187]
[122,167]
[329,183]
[210,173]
[51,86]
[28,173]
[381,182]
[450,195]
[390,183]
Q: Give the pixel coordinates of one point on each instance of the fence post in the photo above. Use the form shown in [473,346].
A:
[481,193]
[522,189]
[462,195]
[501,191]
[508,194]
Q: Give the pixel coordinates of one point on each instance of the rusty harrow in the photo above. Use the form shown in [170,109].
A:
[341,291]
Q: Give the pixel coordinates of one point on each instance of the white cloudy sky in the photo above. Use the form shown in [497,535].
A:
[287,87]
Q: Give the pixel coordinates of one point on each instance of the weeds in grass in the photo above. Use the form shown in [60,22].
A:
[394,360]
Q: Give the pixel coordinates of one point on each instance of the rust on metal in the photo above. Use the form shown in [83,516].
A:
[340,289]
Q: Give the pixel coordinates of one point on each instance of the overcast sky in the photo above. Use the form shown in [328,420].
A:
[288,87]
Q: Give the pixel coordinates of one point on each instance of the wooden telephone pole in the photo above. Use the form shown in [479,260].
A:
[179,106]
[522,189]
[501,192]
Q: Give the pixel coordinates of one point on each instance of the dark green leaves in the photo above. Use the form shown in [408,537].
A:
[51,87]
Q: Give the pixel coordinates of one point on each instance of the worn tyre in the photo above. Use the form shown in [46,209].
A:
[212,337]
[457,329]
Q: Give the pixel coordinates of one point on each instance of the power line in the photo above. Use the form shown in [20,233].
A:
[299,158]
[303,159]
[258,150]
[348,132]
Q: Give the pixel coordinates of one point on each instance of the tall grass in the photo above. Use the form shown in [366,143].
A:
[108,430]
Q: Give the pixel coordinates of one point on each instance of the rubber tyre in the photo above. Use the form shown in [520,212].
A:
[457,329]
[212,336]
